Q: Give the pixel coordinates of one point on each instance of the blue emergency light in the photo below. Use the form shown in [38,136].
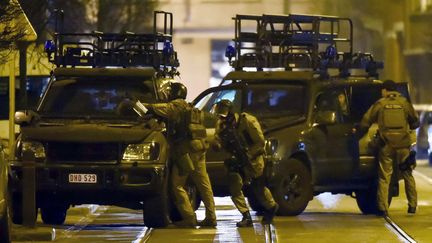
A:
[49,46]
[331,52]
[168,48]
[230,51]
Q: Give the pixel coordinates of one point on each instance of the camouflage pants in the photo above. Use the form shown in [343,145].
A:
[201,180]
[259,189]
[410,187]
[386,156]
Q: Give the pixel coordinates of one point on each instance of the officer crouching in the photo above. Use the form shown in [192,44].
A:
[242,137]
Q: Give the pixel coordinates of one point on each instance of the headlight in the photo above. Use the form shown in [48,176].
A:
[271,146]
[140,152]
[35,148]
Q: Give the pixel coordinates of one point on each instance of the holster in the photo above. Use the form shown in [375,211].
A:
[185,164]
[409,163]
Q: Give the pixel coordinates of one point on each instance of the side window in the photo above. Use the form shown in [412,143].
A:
[363,97]
[208,101]
[277,100]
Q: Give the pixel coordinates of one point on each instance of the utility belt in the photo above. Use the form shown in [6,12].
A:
[396,139]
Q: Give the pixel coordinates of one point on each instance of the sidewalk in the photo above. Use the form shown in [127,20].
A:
[43,232]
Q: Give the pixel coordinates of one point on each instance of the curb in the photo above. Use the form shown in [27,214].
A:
[22,233]
[38,233]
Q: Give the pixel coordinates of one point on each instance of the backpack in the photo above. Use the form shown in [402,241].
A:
[393,124]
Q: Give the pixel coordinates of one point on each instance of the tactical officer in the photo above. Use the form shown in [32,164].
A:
[187,140]
[241,135]
[395,117]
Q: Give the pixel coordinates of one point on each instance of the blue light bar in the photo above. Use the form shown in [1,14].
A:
[49,46]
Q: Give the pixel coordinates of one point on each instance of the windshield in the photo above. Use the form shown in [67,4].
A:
[96,97]
[276,100]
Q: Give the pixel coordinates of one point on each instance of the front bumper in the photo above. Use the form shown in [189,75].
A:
[116,184]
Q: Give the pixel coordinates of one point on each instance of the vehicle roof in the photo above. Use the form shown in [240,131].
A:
[94,72]
[273,75]
[296,76]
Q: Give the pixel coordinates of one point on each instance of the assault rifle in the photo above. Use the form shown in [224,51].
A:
[232,144]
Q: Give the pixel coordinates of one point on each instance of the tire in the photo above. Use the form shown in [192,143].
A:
[195,200]
[5,226]
[54,215]
[155,212]
[16,208]
[292,189]
[367,200]
[255,204]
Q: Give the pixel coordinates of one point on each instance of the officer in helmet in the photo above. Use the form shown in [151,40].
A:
[395,116]
[187,140]
[241,135]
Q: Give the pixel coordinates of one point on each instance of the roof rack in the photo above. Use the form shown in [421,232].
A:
[298,42]
[99,49]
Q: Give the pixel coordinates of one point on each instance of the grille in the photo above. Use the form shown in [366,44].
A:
[78,152]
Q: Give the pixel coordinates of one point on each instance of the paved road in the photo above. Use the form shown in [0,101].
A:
[328,218]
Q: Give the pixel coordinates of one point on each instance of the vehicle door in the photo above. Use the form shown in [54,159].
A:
[206,102]
[337,149]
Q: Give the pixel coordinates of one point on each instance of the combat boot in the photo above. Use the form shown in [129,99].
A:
[411,210]
[246,220]
[269,214]
[207,222]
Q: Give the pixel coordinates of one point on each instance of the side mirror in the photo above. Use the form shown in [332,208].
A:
[325,117]
[25,117]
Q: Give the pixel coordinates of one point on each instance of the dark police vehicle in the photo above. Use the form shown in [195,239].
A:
[300,77]
[4,211]
[85,148]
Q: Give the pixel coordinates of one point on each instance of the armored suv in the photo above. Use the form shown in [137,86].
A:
[4,211]
[86,148]
[309,115]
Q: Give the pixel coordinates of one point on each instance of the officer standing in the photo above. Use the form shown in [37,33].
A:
[395,117]
[188,149]
[241,135]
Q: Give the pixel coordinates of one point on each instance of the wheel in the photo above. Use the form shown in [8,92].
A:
[4,226]
[293,188]
[195,200]
[194,197]
[155,212]
[255,204]
[16,208]
[55,215]
[367,200]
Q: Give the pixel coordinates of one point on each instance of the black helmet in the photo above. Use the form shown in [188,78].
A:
[223,108]
[389,85]
[178,91]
